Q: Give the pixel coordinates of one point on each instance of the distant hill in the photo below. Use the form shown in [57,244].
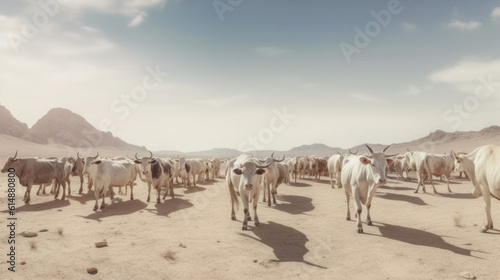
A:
[10,125]
[61,126]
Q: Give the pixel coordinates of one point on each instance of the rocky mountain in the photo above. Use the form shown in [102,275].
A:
[10,125]
[61,126]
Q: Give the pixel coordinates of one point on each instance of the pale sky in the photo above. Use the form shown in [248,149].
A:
[345,77]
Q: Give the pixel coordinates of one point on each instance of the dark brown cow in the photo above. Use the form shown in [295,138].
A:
[318,166]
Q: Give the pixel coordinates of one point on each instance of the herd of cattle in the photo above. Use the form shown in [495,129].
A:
[247,176]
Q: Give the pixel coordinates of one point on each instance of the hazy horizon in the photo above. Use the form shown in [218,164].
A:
[285,73]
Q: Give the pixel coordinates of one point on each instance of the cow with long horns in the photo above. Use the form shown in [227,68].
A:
[271,178]
[361,175]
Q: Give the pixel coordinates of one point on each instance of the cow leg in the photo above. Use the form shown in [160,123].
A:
[448,182]
[268,187]
[331,179]
[487,208]
[432,183]
[255,217]
[264,194]
[194,179]
[81,185]
[172,188]
[359,209]
[348,200]
[28,192]
[149,191]
[274,192]
[96,193]
[371,193]
[103,204]
[158,191]
[39,188]
[131,190]
[339,183]
[233,215]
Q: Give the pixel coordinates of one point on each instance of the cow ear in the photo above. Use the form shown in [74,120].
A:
[97,162]
[389,161]
[154,161]
[365,160]
[260,171]
[137,161]
[237,171]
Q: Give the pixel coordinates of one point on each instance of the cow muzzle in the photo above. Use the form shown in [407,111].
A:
[382,181]
[248,187]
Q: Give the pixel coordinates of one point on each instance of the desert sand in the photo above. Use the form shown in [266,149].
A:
[304,236]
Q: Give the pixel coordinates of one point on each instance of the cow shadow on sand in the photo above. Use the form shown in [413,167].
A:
[395,188]
[293,204]
[170,206]
[299,184]
[288,244]
[457,195]
[116,209]
[193,189]
[401,197]
[53,204]
[84,197]
[419,237]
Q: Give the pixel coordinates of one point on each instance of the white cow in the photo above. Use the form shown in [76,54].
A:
[243,177]
[361,175]
[416,161]
[190,168]
[335,168]
[107,173]
[271,178]
[483,168]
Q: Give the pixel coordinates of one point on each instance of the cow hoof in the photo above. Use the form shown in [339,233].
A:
[415,192]
[102,207]
[360,230]
[147,200]
[257,224]
[244,228]
[369,223]
[80,192]
[233,218]
[158,201]
[132,198]
[348,218]
[274,201]
[95,208]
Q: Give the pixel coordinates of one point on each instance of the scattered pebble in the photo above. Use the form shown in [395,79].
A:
[255,261]
[29,234]
[101,244]
[475,225]
[92,270]
[59,210]
[44,230]
[467,275]
[23,263]
[182,245]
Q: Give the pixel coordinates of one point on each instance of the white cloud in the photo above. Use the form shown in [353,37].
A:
[408,26]
[138,19]
[362,97]
[462,25]
[496,13]
[272,51]
[413,90]
[464,75]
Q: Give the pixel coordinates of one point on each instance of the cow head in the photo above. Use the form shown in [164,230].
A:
[378,162]
[10,163]
[88,162]
[250,171]
[145,163]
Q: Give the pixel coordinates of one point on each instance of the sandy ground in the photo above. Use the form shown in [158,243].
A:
[304,236]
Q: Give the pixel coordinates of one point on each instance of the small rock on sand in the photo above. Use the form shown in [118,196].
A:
[101,244]
[182,245]
[29,234]
[44,230]
[23,263]
[467,275]
[92,270]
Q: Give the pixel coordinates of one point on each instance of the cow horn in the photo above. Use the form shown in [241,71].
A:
[279,160]
[264,166]
[391,155]
[407,149]
[386,149]
[272,155]
[339,153]
[15,155]
[136,156]
[78,155]
[151,154]
[352,152]
[97,155]
[369,149]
